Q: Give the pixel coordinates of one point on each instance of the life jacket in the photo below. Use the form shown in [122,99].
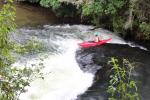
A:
[96,39]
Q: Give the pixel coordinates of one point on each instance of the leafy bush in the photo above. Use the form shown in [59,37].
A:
[55,4]
[145,29]
[12,79]
[118,24]
[94,8]
[121,86]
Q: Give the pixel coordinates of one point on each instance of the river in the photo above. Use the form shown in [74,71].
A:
[70,70]
[33,15]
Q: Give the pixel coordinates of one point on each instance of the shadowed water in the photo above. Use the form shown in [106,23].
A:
[32,15]
[99,56]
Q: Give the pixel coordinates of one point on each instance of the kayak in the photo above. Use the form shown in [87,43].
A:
[91,44]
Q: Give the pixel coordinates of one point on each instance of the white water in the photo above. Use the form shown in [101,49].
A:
[65,80]
[104,34]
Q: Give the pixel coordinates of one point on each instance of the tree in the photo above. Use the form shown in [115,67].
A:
[12,80]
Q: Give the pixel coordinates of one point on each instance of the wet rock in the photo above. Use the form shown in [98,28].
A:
[94,60]
[86,62]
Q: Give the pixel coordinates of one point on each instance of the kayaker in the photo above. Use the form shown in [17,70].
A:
[96,38]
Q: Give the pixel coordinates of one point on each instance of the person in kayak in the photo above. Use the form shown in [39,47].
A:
[96,38]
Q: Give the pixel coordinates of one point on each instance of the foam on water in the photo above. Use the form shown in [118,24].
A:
[65,81]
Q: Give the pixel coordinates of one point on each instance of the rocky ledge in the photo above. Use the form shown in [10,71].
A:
[94,60]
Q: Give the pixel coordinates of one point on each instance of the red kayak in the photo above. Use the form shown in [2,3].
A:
[90,44]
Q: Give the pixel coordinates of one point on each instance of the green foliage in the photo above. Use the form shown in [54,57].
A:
[145,29]
[61,9]
[112,6]
[12,79]
[6,21]
[94,8]
[118,24]
[121,86]
[55,4]
[14,83]
[30,47]
[99,9]
[7,15]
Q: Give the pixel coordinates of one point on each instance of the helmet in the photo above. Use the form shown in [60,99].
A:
[96,33]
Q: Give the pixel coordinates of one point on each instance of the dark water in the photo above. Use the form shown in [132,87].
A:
[99,56]
[29,15]
[33,15]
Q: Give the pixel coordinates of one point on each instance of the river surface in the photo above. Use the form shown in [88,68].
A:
[33,15]
[69,69]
